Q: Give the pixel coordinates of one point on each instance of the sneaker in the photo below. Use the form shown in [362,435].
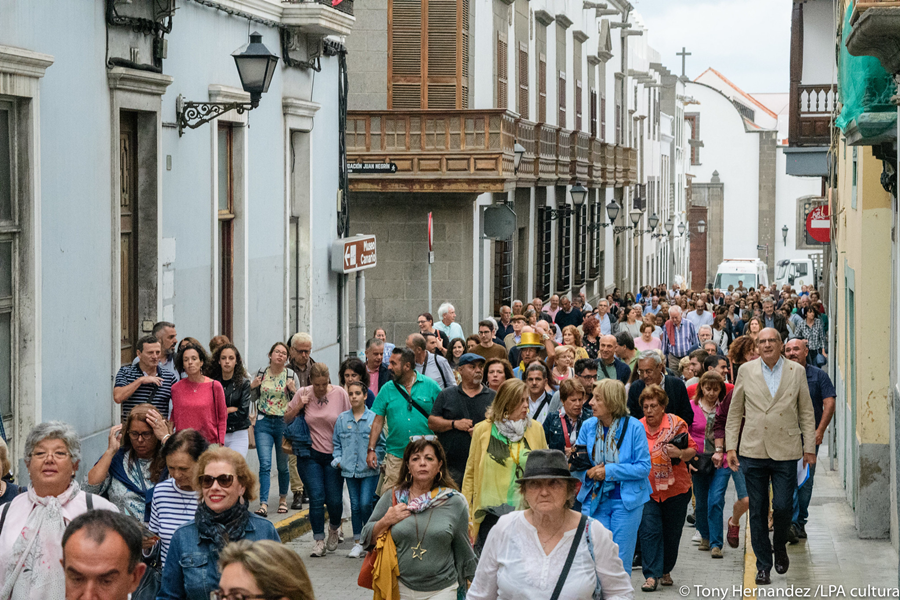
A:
[715,553]
[734,534]
[697,538]
[704,545]
[357,551]
[318,548]
[333,540]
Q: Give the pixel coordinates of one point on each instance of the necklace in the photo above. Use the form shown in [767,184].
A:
[553,535]
[194,388]
[418,551]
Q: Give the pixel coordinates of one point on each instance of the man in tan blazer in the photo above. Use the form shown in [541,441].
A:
[770,411]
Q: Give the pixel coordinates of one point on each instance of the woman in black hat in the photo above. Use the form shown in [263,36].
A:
[548,550]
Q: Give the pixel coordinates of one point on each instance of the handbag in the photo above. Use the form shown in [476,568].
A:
[366,578]
[703,464]
[150,583]
[679,441]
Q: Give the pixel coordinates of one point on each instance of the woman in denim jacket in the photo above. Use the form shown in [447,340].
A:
[351,443]
[227,487]
[616,487]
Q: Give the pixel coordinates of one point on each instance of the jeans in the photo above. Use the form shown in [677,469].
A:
[661,528]
[325,486]
[362,501]
[268,433]
[623,524]
[783,475]
[710,493]
[803,495]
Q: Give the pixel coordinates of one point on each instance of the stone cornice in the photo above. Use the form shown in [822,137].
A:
[580,36]
[543,17]
[226,93]
[136,80]
[563,20]
[20,61]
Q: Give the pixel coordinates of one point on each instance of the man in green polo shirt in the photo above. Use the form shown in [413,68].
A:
[404,418]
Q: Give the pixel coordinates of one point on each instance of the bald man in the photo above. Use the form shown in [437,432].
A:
[608,365]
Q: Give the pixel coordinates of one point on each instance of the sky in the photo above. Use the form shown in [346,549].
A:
[748,41]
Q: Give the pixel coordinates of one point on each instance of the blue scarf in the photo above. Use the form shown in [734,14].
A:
[119,472]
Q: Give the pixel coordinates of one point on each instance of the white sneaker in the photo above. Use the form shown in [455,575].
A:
[696,539]
[333,540]
[357,551]
[318,548]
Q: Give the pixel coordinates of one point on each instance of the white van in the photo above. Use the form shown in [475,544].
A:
[751,271]
[795,272]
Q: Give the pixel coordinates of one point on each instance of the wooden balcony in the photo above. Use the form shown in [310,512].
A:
[472,151]
[810,114]
[318,16]
[434,150]
[862,6]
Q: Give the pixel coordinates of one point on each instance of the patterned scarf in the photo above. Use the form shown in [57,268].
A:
[662,476]
[512,430]
[606,451]
[221,528]
[33,569]
[432,499]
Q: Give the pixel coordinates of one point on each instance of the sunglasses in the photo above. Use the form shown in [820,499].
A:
[427,438]
[225,481]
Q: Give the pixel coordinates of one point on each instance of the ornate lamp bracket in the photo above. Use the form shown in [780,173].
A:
[194,114]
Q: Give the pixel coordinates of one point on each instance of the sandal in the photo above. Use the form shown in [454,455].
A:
[282,507]
[666,579]
[263,510]
[650,587]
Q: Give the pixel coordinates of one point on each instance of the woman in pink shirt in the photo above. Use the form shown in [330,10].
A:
[647,341]
[198,402]
[320,404]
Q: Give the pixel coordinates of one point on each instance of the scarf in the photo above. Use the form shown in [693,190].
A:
[506,463]
[662,476]
[119,472]
[512,430]
[221,528]
[432,499]
[386,569]
[606,451]
[33,570]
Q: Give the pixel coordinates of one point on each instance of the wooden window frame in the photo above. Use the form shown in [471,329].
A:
[502,71]
[226,217]
[579,92]
[10,234]
[603,117]
[523,82]
[561,94]
[503,276]
[564,250]
[593,114]
[542,88]
[543,254]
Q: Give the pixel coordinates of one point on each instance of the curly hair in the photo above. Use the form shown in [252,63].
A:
[214,370]
[576,335]
[739,348]
[179,358]
[591,326]
[652,392]
[222,454]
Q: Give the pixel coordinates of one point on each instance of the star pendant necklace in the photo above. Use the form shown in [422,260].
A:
[418,551]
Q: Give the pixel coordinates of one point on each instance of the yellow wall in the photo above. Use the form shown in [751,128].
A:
[863,240]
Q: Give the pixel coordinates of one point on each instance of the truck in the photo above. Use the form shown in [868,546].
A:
[751,271]
[796,272]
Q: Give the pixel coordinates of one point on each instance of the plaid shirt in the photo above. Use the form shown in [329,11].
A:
[814,335]
[684,341]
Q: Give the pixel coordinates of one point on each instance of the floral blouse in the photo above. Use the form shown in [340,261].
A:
[273,394]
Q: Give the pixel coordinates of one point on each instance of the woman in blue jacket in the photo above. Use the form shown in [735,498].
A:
[227,486]
[616,486]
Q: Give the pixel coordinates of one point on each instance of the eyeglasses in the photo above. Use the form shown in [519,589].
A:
[766,341]
[220,595]
[225,481]
[427,438]
[41,456]
[140,435]
[300,352]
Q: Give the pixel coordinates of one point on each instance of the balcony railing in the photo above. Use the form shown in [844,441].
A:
[345,6]
[319,16]
[810,115]
[472,151]
[863,5]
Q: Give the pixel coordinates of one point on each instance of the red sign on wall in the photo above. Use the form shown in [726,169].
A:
[818,224]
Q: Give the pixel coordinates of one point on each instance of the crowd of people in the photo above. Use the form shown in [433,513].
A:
[560,446]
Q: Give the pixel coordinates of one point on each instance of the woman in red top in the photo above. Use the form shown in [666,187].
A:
[664,513]
[198,402]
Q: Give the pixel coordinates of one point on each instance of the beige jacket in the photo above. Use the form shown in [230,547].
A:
[772,426]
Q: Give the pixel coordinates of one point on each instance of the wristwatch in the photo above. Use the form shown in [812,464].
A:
[371,449]
[453,424]
[720,449]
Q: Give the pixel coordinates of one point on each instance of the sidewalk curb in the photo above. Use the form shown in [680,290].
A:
[294,526]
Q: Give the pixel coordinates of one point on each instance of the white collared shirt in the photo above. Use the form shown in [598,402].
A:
[773,375]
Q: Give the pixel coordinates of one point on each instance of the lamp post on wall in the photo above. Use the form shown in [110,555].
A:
[519,151]
[255,66]
[784,232]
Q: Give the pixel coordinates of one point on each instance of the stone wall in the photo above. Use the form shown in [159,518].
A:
[767,225]
[711,196]
[397,289]
[367,56]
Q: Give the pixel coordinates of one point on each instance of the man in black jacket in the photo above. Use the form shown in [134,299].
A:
[772,319]
[651,372]
[375,365]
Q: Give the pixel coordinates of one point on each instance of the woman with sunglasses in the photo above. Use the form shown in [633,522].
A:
[132,464]
[226,488]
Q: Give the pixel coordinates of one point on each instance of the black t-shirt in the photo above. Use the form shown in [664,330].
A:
[454,404]
[573,317]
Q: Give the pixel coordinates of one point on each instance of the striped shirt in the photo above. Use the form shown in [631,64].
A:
[171,508]
[157,395]
[684,341]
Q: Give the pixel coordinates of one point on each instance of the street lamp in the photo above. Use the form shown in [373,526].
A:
[681,228]
[255,66]
[578,193]
[653,221]
[519,151]
[701,226]
[784,232]
[669,225]
[612,211]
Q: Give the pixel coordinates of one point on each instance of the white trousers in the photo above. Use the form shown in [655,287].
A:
[445,594]
[239,441]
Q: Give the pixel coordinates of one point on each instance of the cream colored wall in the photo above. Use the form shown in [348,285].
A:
[864,241]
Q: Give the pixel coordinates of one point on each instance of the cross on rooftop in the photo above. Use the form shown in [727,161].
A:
[683,54]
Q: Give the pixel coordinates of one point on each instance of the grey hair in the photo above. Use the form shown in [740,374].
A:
[443,309]
[702,327]
[602,301]
[300,338]
[650,355]
[53,430]
[637,306]
[374,342]
[768,299]
[674,309]
[158,327]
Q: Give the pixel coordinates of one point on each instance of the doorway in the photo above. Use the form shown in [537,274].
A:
[226,230]
[128,243]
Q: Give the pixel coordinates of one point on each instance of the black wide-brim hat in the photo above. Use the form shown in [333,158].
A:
[546,464]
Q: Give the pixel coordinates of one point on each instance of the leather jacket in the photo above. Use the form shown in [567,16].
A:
[237,393]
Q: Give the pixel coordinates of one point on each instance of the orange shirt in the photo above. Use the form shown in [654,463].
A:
[666,479]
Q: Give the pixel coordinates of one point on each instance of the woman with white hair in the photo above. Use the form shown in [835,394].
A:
[32,525]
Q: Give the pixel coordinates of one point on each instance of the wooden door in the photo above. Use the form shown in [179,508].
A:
[128,215]
[226,230]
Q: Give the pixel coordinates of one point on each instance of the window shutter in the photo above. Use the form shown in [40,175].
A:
[502,81]
[464,41]
[578,103]
[523,80]
[562,99]
[502,274]
[542,89]
[603,117]
[593,113]
[405,28]
[442,53]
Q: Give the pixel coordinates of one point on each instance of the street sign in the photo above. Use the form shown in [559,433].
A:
[372,168]
[352,254]
[499,222]
[818,224]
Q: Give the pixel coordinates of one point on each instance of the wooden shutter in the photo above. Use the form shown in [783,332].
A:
[563,251]
[502,274]
[464,42]
[562,99]
[594,113]
[578,103]
[442,42]
[502,72]
[581,244]
[603,117]
[523,80]
[543,254]
[405,70]
[542,89]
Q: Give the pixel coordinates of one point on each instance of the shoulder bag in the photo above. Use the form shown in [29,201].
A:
[569,559]
[412,403]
